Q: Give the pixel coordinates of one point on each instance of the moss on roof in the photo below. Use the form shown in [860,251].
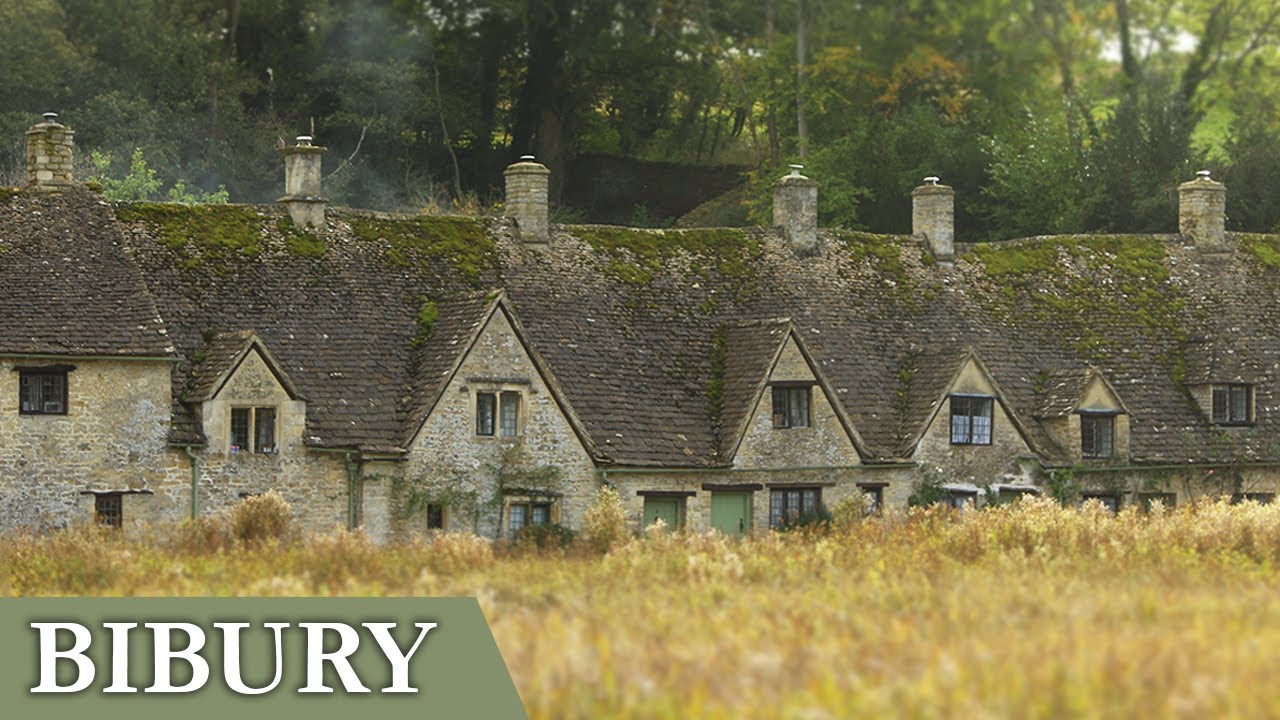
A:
[200,234]
[300,241]
[1264,248]
[459,241]
[636,255]
[7,192]
[1117,283]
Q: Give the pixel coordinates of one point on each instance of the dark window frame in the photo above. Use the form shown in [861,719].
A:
[251,430]
[962,408]
[498,413]
[1225,412]
[486,414]
[1090,423]
[1262,498]
[1110,500]
[108,509]
[783,513]
[61,373]
[791,405]
[528,509]
[436,516]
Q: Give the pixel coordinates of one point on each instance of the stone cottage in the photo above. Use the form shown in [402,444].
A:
[403,374]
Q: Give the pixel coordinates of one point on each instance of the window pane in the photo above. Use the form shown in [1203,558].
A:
[510,413]
[485,404]
[240,430]
[959,421]
[777,501]
[517,520]
[539,514]
[1104,428]
[110,509]
[1239,403]
[264,428]
[779,407]
[40,393]
[799,407]
[810,502]
[1220,414]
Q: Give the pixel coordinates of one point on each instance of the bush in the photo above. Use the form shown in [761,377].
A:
[203,534]
[454,552]
[262,517]
[545,537]
[605,525]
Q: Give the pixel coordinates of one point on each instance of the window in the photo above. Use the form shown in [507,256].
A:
[253,430]
[42,392]
[790,505]
[498,413]
[791,406]
[1233,404]
[1166,500]
[1262,498]
[970,420]
[873,497]
[1097,435]
[961,499]
[1110,501]
[109,509]
[523,514]
[435,516]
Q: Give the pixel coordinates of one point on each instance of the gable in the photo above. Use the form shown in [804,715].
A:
[1099,397]
[252,381]
[1009,437]
[825,441]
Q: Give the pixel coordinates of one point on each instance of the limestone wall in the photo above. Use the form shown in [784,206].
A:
[112,439]
[476,476]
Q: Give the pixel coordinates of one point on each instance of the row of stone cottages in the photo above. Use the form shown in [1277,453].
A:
[411,373]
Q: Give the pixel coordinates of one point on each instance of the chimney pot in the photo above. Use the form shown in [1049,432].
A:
[526,184]
[50,154]
[302,198]
[795,210]
[1202,212]
[933,216]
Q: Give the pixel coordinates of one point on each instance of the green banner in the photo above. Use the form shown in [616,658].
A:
[242,658]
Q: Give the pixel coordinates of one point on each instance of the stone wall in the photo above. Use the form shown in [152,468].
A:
[975,464]
[112,439]
[526,200]
[313,483]
[475,476]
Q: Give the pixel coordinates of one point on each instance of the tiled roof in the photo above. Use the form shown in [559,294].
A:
[627,321]
[62,293]
[749,350]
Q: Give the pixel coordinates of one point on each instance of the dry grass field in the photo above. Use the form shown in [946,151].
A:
[1028,610]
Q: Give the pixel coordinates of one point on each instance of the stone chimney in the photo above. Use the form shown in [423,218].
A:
[302,183]
[50,153]
[1202,212]
[933,215]
[527,183]
[795,210]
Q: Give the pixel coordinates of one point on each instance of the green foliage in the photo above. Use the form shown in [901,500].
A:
[461,243]
[635,256]
[427,315]
[203,235]
[140,183]
[7,192]
[927,491]
[553,536]
[300,242]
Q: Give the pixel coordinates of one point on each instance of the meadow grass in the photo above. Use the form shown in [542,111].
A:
[1027,610]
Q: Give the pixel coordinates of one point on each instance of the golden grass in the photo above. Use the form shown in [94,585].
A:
[1028,610]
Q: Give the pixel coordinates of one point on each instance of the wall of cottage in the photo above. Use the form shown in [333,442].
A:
[475,477]
[112,439]
[973,464]
[313,483]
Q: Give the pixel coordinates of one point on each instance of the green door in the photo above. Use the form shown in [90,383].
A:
[666,509]
[731,512]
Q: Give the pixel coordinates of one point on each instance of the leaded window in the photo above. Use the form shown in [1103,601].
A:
[253,430]
[42,392]
[109,509]
[486,412]
[524,514]
[509,414]
[790,505]
[1233,404]
[971,419]
[1097,435]
[791,406]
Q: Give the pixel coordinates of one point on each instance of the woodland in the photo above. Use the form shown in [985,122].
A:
[1047,116]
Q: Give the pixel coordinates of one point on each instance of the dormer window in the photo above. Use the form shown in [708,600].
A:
[791,406]
[498,413]
[253,430]
[971,419]
[1233,404]
[1097,435]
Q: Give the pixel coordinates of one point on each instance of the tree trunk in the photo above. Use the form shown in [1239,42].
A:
[802,40]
